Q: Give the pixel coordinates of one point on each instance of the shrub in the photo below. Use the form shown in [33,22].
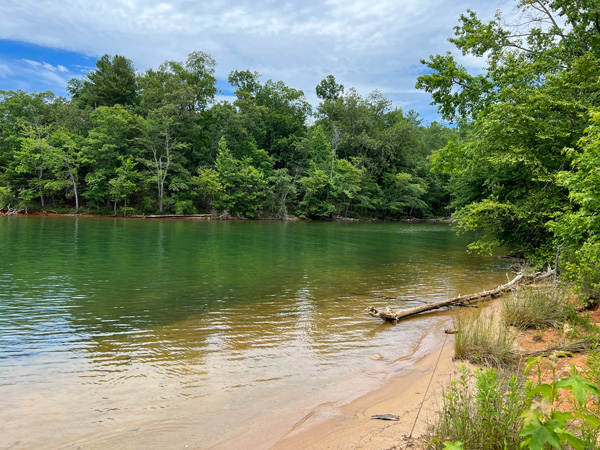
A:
[6,197]
[582,268]
[502,414]
[185,207]
[482,415]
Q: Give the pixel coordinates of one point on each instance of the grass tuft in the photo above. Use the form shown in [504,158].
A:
[536,307]
[481,339]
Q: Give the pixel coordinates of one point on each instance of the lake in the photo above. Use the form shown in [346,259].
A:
[112,329]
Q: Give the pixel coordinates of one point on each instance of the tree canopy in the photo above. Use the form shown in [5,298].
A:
[512,175]
[159,142]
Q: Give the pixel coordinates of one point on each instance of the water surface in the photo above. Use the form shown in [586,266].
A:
[110,328]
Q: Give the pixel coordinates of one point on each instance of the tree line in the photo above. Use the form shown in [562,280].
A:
[159,142]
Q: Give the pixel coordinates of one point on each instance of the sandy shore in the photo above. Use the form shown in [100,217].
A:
[344,421]
[402,395]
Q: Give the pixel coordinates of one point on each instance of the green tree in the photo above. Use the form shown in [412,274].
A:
[274,114]
[180,93]
[197,74]
[113,135]
[59,155]
[124,184]
[283,189]
[162,156]
[244,186]
[207,185]
[529,104]
[578,229]
[65,159]
[113,82]
[328,89]
[31,159]
[330,183]
[385,143]
[25,119]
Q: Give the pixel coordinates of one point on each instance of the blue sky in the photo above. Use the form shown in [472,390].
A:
[31,67]
[365,44]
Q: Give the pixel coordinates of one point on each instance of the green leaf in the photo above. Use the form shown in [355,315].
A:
[579,387]
[561,417]
[453,445]
[574,441]
[592,420]
[532,362]
[541,434]
[544,389]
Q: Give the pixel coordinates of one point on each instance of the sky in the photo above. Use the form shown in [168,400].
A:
[365,44]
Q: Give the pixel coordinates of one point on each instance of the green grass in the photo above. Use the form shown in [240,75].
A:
[482,339]
[536,307]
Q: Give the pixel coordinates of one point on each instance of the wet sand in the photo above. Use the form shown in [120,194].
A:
[343,420]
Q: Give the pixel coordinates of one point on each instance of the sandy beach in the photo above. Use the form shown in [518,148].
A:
[343,420]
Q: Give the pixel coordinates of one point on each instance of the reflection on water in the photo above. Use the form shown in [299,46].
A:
[115,327]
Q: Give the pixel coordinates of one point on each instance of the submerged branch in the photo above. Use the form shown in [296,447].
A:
[394,316]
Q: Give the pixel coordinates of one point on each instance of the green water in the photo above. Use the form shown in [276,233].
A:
[111,325]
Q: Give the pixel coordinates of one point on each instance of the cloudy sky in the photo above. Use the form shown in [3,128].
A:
[366,44]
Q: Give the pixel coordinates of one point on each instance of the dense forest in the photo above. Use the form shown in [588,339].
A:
[158,142]
[520,160]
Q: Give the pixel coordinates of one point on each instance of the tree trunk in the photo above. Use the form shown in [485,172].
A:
[40,183]
[72,177]
[160,195]
[395,316]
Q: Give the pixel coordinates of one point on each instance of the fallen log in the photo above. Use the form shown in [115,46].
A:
[394,316]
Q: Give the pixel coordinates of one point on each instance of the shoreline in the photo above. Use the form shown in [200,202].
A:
[342,420]
[218,217]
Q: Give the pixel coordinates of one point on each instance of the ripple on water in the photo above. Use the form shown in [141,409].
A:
[141,323]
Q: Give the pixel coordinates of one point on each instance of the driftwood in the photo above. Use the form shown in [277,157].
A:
[394,316]
[393,417]
[563,350]
[177,216]
[12,212]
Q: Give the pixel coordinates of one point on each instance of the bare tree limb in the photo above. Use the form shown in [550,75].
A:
[394,316]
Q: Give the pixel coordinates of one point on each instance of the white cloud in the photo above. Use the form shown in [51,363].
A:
[35,75]
[49,67]
[366,43]
[5,70]
[32,63]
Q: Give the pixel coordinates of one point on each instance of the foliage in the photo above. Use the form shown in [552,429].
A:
[481,415]
[6,197]
[544,423]
[124,184]
[185,207]
[516,118]
[113,82]
[151,142]
[328,89]
[579,227]
[244,187]
[503,414]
